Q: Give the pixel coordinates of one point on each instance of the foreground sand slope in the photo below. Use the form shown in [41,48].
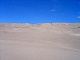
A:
[40,41]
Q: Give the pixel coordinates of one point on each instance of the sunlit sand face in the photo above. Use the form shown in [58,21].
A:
[76,34]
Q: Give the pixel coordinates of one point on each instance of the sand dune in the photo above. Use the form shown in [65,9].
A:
[49,41]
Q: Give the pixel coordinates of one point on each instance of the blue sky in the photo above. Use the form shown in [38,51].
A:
[39,11]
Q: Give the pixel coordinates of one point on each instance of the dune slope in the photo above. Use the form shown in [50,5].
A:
[49,41]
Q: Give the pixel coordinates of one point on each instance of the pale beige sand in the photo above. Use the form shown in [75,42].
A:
[40,41]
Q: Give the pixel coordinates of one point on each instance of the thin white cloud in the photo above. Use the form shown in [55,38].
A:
[52,10]
[79,17]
